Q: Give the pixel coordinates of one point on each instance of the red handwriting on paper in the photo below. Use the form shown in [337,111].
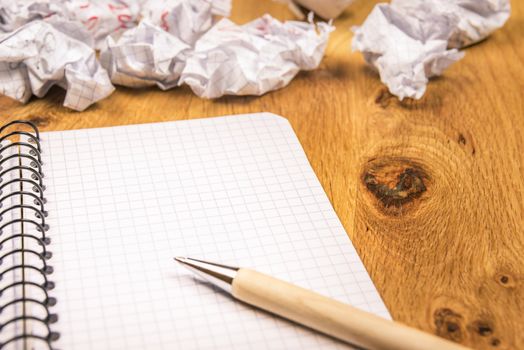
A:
[124,21]
[113,7]
[91,22]
[163,19]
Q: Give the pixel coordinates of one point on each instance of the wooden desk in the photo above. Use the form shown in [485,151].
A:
[431,192]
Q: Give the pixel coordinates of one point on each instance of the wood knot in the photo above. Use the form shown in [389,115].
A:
[495,342]
[394,183]
[39,121]
[383,98]
[482,327]
[461,139]
[505,280]
[448,324]
[465,140]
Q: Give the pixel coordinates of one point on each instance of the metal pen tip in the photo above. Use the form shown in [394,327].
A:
[220,275]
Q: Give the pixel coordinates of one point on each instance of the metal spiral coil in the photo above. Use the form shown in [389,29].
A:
[24,252]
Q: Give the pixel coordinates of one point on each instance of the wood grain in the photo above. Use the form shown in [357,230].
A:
[431,192]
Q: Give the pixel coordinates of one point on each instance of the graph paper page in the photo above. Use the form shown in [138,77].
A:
[239,190]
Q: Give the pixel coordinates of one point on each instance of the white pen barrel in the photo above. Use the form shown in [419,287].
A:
[331,317]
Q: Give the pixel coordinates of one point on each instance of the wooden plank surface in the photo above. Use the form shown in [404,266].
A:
[431,192]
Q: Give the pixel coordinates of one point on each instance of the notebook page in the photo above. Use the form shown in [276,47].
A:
[239,190]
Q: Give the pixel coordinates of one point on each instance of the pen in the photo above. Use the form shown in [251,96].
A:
[315,311]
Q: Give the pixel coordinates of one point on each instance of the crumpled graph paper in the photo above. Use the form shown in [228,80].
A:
[405,50]
[255,58]
[99,17]
[410,41]
[476,19]
[145,56]
[187,20]
[14,14]
[149,42]
[229,59]
[38,55]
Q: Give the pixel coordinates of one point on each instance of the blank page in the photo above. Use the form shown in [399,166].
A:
[123,201]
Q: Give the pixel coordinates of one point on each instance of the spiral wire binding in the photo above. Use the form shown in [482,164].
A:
[28,179]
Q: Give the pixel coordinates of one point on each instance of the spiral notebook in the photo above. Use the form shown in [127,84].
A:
[87,251]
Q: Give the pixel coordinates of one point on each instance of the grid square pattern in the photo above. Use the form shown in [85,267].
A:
[124,201]
[32,60]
